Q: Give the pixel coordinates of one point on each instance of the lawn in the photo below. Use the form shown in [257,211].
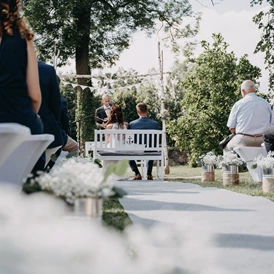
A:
[186,174]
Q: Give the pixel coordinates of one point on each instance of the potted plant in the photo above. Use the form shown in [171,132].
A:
[267,165]
[81,183]
[230,163]
[208,162]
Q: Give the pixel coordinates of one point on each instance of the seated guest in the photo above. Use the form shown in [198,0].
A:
[103,112]
[51,103]
[249,118]
[69,145]
[142,123]
[20,96]
[269,138]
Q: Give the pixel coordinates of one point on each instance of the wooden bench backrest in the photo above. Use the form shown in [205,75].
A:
[128,140]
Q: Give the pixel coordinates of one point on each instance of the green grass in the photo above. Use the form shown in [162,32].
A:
[186,174]
[114,215]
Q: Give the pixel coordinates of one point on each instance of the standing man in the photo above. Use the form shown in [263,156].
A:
[142,123]
[249,118]
[102,113]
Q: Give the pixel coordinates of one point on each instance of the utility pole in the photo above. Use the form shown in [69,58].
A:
[163,109]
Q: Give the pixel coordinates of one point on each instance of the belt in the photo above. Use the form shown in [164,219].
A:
[254,136]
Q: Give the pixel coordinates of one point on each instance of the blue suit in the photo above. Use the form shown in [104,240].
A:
[143,123]
[51,103]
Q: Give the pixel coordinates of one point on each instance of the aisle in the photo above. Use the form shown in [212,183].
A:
[241,227]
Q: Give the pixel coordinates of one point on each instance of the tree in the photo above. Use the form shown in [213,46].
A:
[265,21]
[97,31]
[211,87]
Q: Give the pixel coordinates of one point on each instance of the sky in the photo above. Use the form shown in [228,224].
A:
[232,18]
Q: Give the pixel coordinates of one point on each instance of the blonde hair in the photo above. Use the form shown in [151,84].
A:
[11,20]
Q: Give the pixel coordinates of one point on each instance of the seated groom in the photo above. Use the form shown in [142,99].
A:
[249,118]
[142,123]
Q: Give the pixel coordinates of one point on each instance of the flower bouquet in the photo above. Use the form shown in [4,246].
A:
[78,179]
[207,162]
[230,163]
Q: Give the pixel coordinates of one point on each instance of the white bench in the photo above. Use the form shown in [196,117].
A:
[129,145]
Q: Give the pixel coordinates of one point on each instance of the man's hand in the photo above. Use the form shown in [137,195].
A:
[232,130]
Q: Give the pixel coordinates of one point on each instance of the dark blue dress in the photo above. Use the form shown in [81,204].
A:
[15,104]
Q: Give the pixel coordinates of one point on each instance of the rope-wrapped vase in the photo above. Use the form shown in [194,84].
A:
[208,173]
[231,175]
[268,180]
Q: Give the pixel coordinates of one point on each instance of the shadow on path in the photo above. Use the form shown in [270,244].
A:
[258,242]
[147,205]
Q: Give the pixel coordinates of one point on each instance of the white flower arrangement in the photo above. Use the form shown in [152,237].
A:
[265,162]
[209,159]
[229,158]
[79,178]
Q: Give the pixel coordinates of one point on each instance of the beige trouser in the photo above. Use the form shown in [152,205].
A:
[71,146]
[243,141]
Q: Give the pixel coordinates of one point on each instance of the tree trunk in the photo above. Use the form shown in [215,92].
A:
[85,111]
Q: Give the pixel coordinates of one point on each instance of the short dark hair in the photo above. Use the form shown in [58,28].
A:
[142,107]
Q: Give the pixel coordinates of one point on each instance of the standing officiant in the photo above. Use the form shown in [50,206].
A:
[102,113]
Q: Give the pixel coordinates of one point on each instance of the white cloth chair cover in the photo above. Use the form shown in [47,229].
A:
[248,155]
[22,160]
[11,135]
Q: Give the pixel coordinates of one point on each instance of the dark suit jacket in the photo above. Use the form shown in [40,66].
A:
[51,102]
[100,115]
[144,123]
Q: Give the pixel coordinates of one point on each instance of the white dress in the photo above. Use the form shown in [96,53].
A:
[114,140]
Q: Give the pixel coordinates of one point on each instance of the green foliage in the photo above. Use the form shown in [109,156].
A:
[70,95]
[107,25]
[96,32]
[264,20]
[118,169]
[211,87]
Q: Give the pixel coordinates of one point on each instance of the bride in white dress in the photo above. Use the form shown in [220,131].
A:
[115,121]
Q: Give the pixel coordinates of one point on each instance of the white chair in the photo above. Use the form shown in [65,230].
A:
[11,135]
[248,155]
[88,147]
[22,160]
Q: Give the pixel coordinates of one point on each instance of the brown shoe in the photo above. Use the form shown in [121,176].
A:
[149,178]
[137,177]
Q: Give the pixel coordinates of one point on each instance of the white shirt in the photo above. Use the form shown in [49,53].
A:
[250,115]
[107,110]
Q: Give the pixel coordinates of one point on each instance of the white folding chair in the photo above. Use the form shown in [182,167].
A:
[11,135]
[22,160]
[248,155]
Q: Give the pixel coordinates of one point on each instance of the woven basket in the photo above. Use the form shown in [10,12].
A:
[268,185]
[230,179]
[208,176]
